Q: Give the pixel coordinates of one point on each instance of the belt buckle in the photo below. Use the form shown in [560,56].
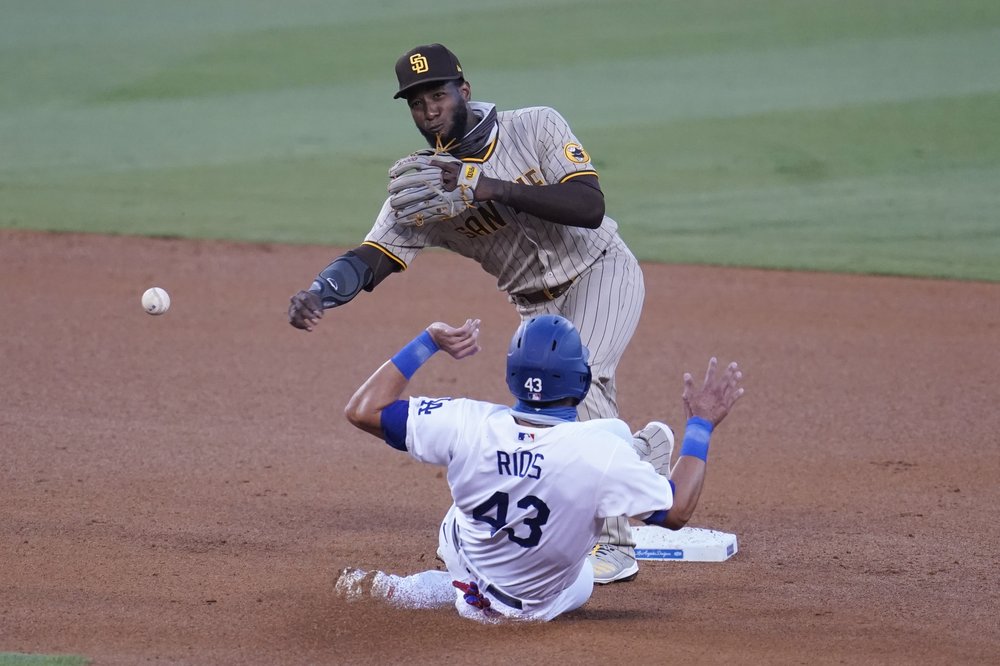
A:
[548,294]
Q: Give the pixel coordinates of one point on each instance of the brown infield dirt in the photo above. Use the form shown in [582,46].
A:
[183,489]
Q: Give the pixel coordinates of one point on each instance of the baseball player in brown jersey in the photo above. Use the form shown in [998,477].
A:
[516,192]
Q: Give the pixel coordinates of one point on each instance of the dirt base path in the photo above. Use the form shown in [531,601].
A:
[182,489]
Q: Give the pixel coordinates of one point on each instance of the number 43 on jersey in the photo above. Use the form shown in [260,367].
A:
[494,512]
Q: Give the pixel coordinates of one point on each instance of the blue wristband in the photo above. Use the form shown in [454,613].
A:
[415,354]
[697,434]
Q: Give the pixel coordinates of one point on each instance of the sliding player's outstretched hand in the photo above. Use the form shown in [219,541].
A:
[716,396]
[459,342]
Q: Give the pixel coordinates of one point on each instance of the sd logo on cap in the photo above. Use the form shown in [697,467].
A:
[431,63]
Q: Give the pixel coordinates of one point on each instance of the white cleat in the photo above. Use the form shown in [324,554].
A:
[356,584]
[351,584]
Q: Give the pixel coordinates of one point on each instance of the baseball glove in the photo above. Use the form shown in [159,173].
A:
[418,192]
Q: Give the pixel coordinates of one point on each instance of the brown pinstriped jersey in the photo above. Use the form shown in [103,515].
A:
[534,146]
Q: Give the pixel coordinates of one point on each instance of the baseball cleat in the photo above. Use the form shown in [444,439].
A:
[655,445]
[354,584]
[613,564]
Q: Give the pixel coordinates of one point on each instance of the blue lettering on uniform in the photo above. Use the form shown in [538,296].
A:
[522,464]
[535,468]
[503,463]
[427,406]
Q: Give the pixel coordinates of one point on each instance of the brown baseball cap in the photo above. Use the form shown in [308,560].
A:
[431,63]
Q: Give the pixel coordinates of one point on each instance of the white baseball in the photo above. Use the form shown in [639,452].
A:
[155,301]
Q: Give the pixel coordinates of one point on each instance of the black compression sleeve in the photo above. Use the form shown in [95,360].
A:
[578,202]
[382,266]
[341,281]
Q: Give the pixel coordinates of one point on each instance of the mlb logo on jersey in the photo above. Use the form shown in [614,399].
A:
[525,436]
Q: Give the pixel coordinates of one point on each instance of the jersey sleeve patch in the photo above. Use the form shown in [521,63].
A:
[575,153]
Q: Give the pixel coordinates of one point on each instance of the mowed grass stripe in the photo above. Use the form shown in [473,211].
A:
[218,129]
[862,187]
[64,51]
[621,93]
[850,131]
[684,156]
[932,224]
[351,49]
[695,155]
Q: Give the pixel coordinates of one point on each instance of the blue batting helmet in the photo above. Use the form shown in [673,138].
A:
[547,361]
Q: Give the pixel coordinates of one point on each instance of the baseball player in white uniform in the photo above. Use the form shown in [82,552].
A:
[531,485]
[520,197]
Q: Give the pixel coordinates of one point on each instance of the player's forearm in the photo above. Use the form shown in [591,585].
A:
[573,204]
[688,478]
[386,385]
[688,475]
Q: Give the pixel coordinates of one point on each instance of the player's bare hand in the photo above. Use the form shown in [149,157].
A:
[305,310]
[459,342]
[716,396]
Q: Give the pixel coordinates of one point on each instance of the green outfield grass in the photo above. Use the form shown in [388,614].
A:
[843,135]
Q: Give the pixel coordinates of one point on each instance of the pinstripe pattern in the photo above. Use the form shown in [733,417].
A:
[526,254]
[604,304]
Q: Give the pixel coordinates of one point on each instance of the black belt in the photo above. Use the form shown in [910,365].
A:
[505,598]
[546,294]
